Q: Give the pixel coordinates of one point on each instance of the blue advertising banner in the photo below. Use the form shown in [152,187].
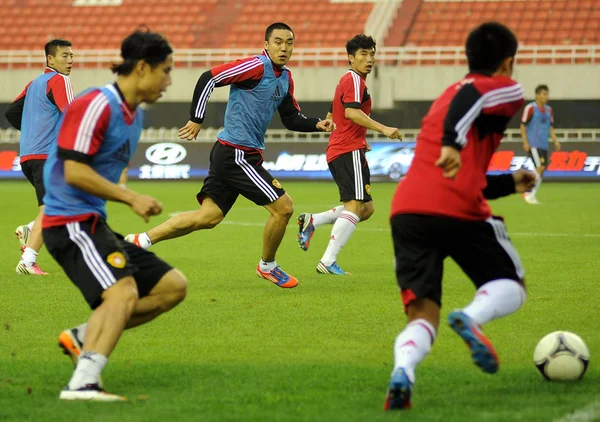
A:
[388,161]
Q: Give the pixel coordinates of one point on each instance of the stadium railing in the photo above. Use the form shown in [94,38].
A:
[283,135]
[419,56]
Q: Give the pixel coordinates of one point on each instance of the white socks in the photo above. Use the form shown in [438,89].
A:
[340,234]
[537,185]
[327,217]
[88,370]
[495,299]
[267,267]
[29,257]
[412,345]
[30,225]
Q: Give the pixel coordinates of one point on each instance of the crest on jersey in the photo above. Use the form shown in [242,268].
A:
[368,189]
[276,183]
[116,259]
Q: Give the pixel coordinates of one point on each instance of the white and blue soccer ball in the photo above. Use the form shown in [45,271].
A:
[561,356]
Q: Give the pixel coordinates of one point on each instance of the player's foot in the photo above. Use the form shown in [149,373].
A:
[306,229]
[22,233]
[398,394]
[142,240]
[330,269]
[32,270]
[278,276]
[91,392]
[71,346]
[531,199]
[482,350]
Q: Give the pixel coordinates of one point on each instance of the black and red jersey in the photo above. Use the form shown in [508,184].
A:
[471,115]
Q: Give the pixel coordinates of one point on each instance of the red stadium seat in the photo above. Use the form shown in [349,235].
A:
[534,21]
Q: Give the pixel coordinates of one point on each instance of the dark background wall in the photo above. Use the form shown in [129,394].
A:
[569,114]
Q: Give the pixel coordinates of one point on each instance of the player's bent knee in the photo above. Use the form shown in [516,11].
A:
[174,285]
[367,211]
[124,291]
[285,209]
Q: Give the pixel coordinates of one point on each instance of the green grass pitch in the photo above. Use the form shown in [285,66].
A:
[239,348]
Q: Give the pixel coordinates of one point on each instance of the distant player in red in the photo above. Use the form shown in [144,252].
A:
[440,210]
[348,144]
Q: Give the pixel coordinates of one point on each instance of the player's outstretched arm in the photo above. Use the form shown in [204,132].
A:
[85,178]
[359,117]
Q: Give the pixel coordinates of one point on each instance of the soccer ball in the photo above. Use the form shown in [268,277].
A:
[561,356]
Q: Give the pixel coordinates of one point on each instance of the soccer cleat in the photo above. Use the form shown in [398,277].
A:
[91,392]
[531,199]
[22,233]
[133,238]
[71,346]
[330,269]
[482,350]
[398,394]
[25,270]
[306,229]
[278,277]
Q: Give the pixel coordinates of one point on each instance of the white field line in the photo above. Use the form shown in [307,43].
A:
[588,413]
[382,229]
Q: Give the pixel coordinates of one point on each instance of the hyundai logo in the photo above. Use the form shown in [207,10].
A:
[166,153]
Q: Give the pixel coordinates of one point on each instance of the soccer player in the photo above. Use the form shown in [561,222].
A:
[346,156]
[537,124]
[125,285]
[440,210]
[35,112]
[260,85]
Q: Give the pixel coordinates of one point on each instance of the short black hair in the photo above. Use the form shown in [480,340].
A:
[488,46]
[541,88]
[277,25]
[360,41]
[52,46]
[146,45]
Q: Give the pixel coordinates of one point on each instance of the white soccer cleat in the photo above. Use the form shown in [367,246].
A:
[91,392]
[531,199]
[135,239]
[25,270]
[22,233]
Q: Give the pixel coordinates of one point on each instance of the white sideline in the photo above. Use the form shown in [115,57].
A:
[588,413]
[381,229]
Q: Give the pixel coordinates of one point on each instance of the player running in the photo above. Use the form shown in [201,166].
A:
[537,124]
[35,112]
[440,210]
[260,85]
[346,156]
[125,285]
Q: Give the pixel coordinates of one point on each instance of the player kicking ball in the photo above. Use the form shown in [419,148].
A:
[123,284]
[346,156]
[440,210]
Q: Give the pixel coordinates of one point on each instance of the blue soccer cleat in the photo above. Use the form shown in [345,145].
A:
[482,350]
[306,229]
[330,269]
[398,394]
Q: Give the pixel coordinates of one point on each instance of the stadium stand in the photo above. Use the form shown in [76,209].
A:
[536,22]
[187,23]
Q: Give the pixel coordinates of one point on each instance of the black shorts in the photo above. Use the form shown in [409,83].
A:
[34,172]
[94,258]
[482,249]
[352,175]
[235,172]
[539,157]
